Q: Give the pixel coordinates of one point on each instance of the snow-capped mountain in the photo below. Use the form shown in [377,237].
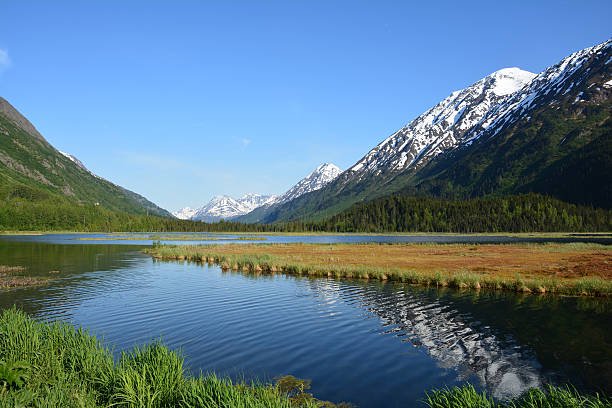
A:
[316,180]
[546,88]
[252,200]
[226,207]
[319,178]
[442,126]
[511,132]
[185,213]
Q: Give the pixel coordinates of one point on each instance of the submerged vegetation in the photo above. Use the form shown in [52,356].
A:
[10,278]
[570,269]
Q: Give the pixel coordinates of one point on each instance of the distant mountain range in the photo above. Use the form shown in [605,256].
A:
[253,206]
[510,132]
[227,208]
[32,169]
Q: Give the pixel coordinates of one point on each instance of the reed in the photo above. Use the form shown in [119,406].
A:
[369,261]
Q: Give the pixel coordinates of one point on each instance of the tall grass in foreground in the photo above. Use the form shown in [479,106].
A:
[266,263]
[552,397]
[58,365]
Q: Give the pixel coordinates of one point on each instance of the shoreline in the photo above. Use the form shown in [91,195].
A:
[564,269]
[59,364]
[568,234]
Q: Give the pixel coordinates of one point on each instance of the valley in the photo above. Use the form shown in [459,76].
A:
[463,261]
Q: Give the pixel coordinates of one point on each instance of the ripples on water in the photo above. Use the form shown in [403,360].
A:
[371,343]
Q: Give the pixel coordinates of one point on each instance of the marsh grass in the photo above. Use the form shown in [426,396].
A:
[64,366]
[314,264]
[551,397]
[58,365]
[11,269]
[9,279]
[123,237]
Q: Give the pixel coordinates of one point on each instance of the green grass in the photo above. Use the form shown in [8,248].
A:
[551,397]
[58,365]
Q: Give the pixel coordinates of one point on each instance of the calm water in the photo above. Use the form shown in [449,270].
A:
[370,343]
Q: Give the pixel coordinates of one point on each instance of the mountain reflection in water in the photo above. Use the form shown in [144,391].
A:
[452,338]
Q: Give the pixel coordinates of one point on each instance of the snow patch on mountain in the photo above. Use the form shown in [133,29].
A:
[74,160]
[185,213]
[319,178]
[226,207]
[553,82]
[442,126]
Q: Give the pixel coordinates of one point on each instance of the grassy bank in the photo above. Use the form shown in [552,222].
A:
[58,365]
[570,269]
[552,397]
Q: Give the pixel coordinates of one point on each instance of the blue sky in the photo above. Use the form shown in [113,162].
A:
[184,100]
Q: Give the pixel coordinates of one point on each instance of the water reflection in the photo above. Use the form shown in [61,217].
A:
[508,342]
[372,343]
[454,339]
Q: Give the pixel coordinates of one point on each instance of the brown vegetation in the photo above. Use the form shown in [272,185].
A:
[8,280]
[550,260]
[577,269]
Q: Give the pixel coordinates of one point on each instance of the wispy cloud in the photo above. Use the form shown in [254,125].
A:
[245,142]
[5,61]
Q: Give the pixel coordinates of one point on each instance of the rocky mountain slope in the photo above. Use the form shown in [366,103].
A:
[32,169]
[510,132]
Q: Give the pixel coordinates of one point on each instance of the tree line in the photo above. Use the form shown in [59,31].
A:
[516,213]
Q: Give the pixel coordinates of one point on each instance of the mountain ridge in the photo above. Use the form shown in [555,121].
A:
[31,168]
[372,179]
[251,205]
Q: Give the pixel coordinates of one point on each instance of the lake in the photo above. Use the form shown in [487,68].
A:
[370,343]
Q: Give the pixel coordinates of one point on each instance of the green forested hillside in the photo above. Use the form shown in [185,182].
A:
[522,213]
[517,213]
[33,170]
[556,141]
[564,152]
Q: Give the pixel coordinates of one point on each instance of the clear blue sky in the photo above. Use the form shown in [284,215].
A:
[184,100]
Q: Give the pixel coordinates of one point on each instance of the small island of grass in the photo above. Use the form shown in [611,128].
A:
[11,277]
[570,269]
